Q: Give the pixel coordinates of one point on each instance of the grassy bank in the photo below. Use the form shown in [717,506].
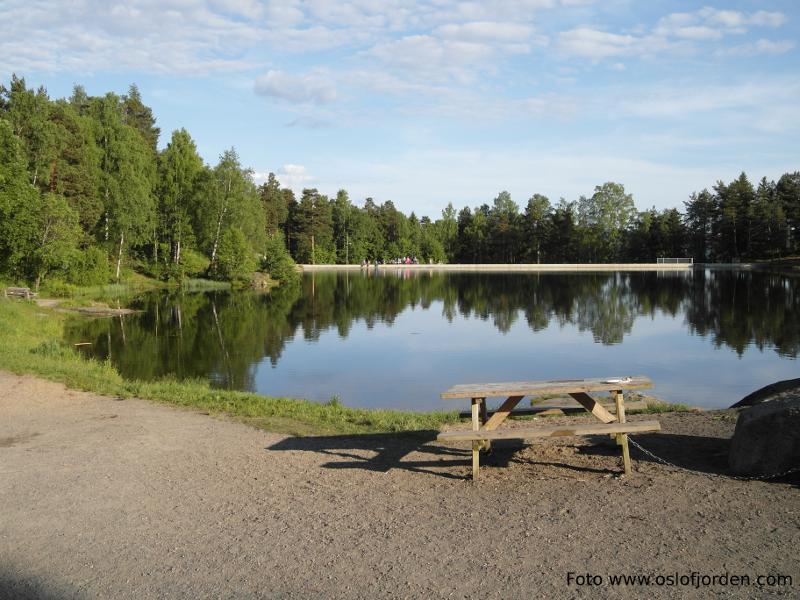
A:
[131,286]
[31,342]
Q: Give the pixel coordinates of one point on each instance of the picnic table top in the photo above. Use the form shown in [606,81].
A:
[538,388]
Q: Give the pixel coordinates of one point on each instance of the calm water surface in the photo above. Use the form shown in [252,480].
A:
[397,339]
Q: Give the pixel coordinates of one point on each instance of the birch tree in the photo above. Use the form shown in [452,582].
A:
[179,169]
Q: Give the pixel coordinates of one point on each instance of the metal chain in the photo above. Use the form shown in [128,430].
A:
[712,475]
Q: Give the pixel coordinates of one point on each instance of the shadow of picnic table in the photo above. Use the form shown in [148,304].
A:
[415,451]
[419,452]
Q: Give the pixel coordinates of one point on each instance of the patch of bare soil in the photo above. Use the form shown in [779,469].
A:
[104,498]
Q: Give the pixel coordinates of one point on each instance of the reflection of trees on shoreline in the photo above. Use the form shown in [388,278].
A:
[745,308]
[222,336]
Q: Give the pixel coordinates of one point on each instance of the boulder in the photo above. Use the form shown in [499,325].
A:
[767,437]
[767,392]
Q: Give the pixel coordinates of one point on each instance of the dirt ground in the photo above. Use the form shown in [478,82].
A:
[107,498]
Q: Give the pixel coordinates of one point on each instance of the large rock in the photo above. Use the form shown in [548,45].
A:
[767,392]
[767,437]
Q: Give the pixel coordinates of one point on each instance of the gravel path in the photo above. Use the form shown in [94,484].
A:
[103,498]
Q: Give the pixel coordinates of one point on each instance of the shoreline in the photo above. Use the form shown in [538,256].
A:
[31,343]
[556,267]
[507,268]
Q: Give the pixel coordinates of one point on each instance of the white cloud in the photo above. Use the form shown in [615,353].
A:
[260,177]
[591,43]
[712,24]
[294,177]
[770,19]
[432,58]
[250,9]
[751,105]
[762,46]
[730,19]
[157,37]
[677,33]
[309,88]
[697,32]
[485,31]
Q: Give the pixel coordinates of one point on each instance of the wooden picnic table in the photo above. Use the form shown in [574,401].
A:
[484,426]
[21,292]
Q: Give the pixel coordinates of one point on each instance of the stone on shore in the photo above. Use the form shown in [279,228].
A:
[767,437]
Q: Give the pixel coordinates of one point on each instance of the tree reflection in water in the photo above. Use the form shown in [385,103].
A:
[222,336]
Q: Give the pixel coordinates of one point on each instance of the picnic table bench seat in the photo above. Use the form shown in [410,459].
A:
[527,433]
[485,427]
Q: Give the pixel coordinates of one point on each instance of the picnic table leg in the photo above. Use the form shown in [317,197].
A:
[487,444]
[476,425]
[622,438]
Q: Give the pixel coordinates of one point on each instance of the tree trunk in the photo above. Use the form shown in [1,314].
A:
[119,254]
[106,216]
[219,222]
[216,238]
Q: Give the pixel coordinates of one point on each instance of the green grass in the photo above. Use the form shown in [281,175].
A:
[204,285]
[30,343]
[134,284]
[654,408]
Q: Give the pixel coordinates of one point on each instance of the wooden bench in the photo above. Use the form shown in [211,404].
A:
[484,427]
[561,407]
[19,292]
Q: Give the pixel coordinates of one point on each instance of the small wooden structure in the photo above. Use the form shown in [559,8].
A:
[485,426]
[19,292]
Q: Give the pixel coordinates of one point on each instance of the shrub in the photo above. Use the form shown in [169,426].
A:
[194,263]
[58,289]
[277,262]
[89,267]
[235,261]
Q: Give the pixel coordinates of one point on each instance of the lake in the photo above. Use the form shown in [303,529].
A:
[397,338]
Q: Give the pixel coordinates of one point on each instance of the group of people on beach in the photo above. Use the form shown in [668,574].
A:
[406,260]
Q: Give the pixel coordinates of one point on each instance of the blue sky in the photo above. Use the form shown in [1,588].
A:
[429,102]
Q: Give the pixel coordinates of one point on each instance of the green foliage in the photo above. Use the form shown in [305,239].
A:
[607,218]
[235,261]
[179,169]
[194,263]
[57,234]
[18,202]
[312,229]
[275,203]
[89,267]
[57,288]
[277,262]
[85,173]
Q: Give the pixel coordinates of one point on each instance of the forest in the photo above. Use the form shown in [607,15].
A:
[88,197]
